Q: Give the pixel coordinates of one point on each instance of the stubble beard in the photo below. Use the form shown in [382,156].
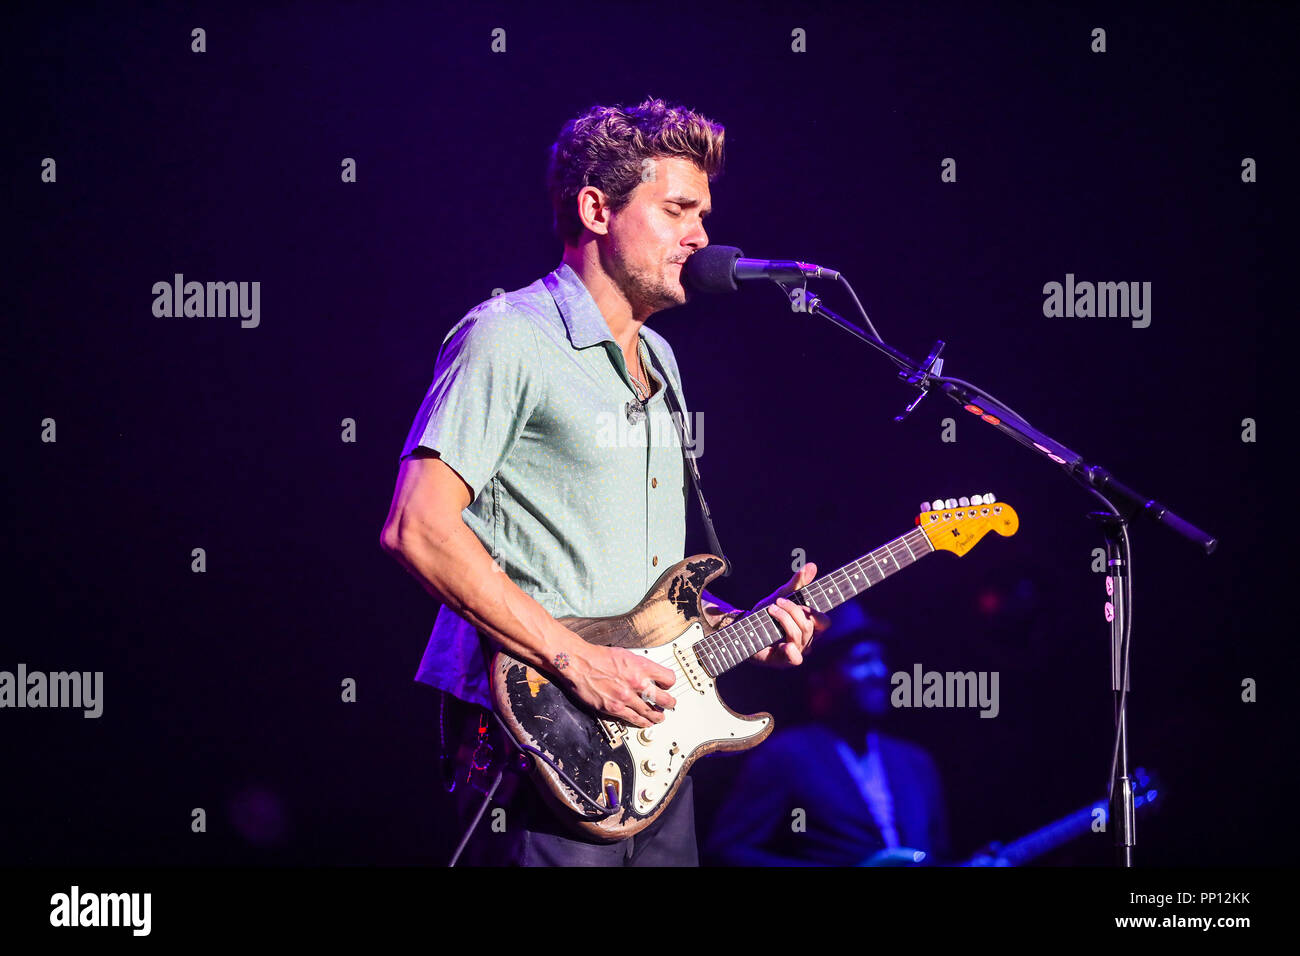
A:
[646,289]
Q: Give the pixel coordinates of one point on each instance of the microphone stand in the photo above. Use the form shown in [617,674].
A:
[1122,504]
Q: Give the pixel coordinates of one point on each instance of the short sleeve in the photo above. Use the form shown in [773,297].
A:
[487,381]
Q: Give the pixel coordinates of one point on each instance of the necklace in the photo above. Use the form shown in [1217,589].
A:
[642,391]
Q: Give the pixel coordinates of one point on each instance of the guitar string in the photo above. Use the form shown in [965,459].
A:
[895,547]
[671,662]
[841,580]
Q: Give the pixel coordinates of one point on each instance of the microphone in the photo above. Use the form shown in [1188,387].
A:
[716,269]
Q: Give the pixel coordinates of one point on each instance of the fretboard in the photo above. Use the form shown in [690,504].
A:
[1059,833]
[1049,837]
[741,640]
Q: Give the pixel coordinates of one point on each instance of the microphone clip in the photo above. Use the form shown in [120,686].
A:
[800,299]
[932,366]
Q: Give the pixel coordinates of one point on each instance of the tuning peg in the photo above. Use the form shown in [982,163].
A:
[937,504]
[977,499]
[925,506]
[950,503]
[989,499]
[963,501]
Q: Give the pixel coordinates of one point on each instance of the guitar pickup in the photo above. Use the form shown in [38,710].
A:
[690,665]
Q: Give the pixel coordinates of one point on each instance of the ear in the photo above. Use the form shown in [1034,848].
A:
[593,210]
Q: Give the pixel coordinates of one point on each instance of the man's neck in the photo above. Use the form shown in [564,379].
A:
[852,726]
[624,326]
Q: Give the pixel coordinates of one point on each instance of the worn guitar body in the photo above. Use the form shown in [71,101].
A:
[640,769]
[636,772]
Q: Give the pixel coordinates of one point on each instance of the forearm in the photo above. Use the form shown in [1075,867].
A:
[451,563]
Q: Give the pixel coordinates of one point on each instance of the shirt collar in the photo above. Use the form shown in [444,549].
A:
[577,308]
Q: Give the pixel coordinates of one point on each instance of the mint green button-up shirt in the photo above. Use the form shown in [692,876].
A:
[582,508]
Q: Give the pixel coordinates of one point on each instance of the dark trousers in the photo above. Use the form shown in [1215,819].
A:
[529,833]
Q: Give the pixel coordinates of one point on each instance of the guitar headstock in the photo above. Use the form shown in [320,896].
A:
[957,524]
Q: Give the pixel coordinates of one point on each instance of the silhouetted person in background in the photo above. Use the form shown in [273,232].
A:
[838,791]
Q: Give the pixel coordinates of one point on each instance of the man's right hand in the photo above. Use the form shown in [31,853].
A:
[611,680]
[427,533]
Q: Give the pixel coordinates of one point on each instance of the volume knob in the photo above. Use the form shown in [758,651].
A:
[645,735]
[650,765]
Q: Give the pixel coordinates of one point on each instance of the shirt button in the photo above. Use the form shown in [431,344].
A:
[655,561]
[654,482]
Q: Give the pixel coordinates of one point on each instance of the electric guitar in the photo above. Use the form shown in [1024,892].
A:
[611,779]
[1071,827]
[1043,840]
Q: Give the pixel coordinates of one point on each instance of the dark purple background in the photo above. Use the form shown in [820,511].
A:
[222,689]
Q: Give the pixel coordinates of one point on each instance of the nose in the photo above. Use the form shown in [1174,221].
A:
[697,238]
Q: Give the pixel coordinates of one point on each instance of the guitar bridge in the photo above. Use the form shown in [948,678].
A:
[613,730]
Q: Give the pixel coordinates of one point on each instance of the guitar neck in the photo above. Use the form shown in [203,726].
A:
[1061,832]
[728,646]
[1049,837]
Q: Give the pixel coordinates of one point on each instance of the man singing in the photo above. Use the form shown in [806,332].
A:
[514,507]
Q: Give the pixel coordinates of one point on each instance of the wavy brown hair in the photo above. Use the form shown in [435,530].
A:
[606,146]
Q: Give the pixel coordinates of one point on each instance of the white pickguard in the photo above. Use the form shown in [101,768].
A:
[698,719]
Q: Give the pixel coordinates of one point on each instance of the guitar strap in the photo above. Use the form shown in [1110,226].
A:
[692,469]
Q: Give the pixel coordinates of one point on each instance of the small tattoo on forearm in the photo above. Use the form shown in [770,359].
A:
[561,661]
